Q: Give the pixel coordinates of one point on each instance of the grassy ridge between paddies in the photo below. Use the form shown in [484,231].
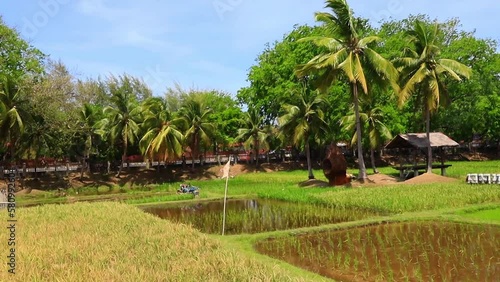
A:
[412,198]
[492,214]
[118,242]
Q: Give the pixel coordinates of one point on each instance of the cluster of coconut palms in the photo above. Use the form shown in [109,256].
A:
[350,56]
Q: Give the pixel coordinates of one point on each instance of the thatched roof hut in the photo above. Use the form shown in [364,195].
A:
[419,140]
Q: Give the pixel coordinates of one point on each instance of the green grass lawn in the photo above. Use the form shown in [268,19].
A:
[486,214]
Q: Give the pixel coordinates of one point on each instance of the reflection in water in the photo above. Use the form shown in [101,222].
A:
[410,251]
[254,215]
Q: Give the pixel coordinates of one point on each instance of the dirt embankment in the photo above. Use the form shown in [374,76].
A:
[139,177]
[134,176]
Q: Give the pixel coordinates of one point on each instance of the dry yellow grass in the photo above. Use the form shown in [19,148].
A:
[117,242]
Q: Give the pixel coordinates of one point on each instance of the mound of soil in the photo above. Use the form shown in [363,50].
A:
[429,178]
[377,179]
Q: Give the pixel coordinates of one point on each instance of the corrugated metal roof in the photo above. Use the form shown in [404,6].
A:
[419,140]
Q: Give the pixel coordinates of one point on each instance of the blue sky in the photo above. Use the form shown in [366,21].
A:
[202,44]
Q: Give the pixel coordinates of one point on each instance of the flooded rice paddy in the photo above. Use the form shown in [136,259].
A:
[419,251]
[254,216]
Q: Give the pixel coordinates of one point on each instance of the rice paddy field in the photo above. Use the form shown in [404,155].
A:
[417,251]
[447,231]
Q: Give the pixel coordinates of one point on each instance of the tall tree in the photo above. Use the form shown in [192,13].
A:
[472,108]
[36,139]
[304,121]
[52,100]
[17,57]
[226,117]
[14,113]
[163,137]
[196,115]
[350,53]
[122,121]
[423,73]
[254,133]
[91,91]
[372,119]
[89,117]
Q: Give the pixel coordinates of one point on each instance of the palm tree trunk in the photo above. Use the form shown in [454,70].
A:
[124,156]
[194,150]
[82,168]
[36,160]
[309,164]
[158,167]
[428,129]
[85,154]
[256,153]
[361,161]
[87,162]
[372,157]
[498,147]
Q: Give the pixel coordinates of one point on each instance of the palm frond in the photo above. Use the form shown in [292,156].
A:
[330,43]
[359,74]
[409,88]
[456,67]
[383,67]
[342,16]
[366,41]
[348,67]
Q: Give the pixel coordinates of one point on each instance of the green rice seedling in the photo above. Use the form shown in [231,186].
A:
[355,264]
[338,259]
[347,261]
[416,257]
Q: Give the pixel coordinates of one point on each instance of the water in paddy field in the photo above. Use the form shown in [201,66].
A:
[254,215]
[414,251]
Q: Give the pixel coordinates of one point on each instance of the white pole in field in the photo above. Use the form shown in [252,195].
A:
[226,175]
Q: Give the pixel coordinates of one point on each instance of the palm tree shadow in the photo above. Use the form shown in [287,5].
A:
[313,183]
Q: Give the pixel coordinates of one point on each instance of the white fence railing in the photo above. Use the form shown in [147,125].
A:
[3,200]
[483,178]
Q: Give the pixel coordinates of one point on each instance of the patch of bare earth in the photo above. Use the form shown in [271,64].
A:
[376,179]
[31,192]
[383,179]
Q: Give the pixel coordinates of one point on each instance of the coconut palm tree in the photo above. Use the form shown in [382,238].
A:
[254,134]
[196,116]
[349,53]
[371,118]
[121,122]
[163,135]
[302,121]
[88,118]
[423,73]
[13,113]
[36,137]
